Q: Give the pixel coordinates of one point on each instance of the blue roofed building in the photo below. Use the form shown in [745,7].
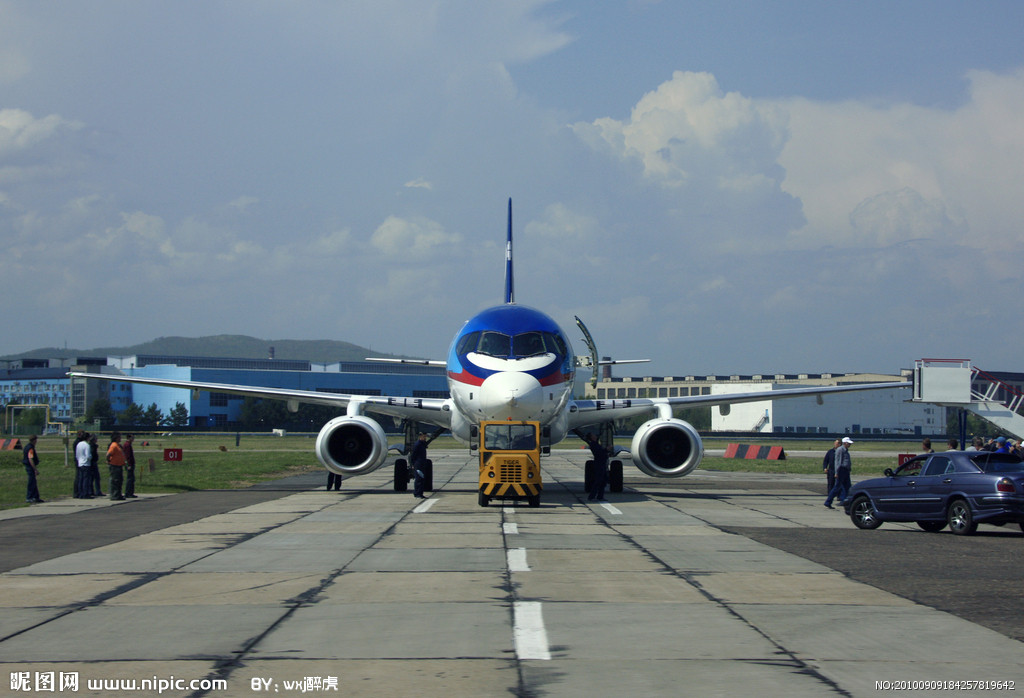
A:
[220,410]
[45,382]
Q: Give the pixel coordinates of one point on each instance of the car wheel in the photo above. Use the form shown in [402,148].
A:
[862,513]
[961,520]
[932,526]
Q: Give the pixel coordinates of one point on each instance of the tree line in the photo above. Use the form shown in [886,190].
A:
[135,415]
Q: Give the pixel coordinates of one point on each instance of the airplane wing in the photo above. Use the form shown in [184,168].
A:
[593,411]
[428,410]
[415,362]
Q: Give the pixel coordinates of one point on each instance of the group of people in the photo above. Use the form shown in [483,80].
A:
[120,459]
[1000,444]
[837,465]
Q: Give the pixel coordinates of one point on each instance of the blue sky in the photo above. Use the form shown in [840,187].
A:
[722,187]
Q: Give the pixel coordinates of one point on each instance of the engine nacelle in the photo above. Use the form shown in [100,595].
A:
[667,448]
[352,445]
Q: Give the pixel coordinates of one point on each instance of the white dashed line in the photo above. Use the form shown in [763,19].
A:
[530,636]
[424,506]
[611,509]
[517,560]
[510,529]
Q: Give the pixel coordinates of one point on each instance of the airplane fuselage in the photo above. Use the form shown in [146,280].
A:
[510,362]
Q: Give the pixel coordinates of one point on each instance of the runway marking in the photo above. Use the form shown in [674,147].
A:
[510,529]
[508,510]
[611,509]
[531,638]
[424,506]
[517,560]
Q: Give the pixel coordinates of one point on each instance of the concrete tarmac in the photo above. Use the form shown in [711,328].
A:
[716,584]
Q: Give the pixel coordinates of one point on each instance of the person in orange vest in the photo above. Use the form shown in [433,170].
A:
[116,461]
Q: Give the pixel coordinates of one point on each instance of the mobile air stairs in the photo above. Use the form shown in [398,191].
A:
[955,383]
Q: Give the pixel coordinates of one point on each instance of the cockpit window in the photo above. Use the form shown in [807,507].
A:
[521,346]
[528,344]
[559,344]
[494,344]
[468,343]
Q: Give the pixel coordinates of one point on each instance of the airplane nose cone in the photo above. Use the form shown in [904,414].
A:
[510,395]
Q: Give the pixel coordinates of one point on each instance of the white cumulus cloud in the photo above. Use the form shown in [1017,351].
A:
[20,130]
[411,237]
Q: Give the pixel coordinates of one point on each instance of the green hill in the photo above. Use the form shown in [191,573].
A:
[224,345]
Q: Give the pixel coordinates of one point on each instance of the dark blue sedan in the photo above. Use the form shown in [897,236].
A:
[960,489]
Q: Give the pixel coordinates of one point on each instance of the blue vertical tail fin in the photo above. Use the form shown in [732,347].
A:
[510,294]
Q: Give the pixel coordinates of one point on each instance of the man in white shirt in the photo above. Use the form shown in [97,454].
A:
[83,457]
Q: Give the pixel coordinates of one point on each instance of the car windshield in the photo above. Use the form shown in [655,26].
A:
[998,463]
[510,436]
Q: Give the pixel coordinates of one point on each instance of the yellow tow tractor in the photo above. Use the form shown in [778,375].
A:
[509,461]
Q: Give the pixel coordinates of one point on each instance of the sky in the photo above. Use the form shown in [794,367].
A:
[721,187]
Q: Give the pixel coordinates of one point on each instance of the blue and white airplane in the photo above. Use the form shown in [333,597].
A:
[507,362]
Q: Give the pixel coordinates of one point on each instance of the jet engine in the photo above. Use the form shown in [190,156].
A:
[667,448]
[351,445]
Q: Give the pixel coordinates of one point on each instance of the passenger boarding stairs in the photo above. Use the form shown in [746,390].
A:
[955,383]
[761,422]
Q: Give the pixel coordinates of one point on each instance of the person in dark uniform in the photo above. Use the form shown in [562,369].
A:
[30,459]
[419,460]
[129,466]
[333,481]
[600,454]
[828,464]
[94,466]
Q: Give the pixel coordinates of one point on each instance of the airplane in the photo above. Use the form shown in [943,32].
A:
[507,362]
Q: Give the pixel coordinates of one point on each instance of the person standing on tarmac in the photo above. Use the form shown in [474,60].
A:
[30,458]
[115,459]
[83,459]
[419,461]
[600,454]
[828,464]
[333,481]
[94,466]
[129,466]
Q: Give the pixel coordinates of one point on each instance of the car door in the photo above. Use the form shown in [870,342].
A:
[895,497]
[932,487]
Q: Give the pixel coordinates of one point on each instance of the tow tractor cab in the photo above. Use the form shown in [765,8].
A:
[509,460]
